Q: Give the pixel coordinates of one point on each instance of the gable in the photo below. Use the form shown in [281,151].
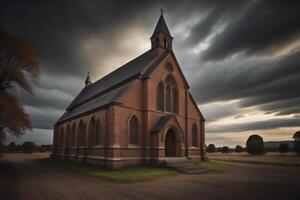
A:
[170,59]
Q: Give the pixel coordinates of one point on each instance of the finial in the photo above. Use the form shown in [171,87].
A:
[162,11]
[88,79]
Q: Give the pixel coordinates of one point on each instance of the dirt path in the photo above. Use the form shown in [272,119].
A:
[22,178]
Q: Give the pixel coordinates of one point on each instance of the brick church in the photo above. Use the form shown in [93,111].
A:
[141,113]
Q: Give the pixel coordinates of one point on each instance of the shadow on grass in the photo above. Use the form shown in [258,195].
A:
[127,174]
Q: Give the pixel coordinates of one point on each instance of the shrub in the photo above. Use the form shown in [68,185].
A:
[28,147]
[19,148]
[283,148]
[211,148]
[225,149]
[12,147]
[255,145]
[238,149]
[219,149]
[297,146]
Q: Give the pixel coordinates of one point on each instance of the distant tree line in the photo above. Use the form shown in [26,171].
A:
[255,146]
[26,147]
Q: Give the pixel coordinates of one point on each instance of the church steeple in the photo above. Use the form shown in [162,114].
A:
[88,79]
[161,36]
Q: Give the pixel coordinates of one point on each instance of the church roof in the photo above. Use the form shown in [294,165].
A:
[161,26]
[97,103]
[161,123]
[163,120]
[125,72]
[105,90]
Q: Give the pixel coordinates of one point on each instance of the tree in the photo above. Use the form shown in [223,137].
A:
[12,147]
[211,148]
[283,148]
[255,145]
[225,149]
[18,64]
[19,148]
[238,149]
[297,146]
[28,147]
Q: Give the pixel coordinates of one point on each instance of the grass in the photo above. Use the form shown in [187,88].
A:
[128,174]
[216,166]
[288,159]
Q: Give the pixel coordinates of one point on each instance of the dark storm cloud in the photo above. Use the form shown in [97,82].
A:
[254,81]
[57,28]
[252,31]
[263,26]
[217,11]
[261,125]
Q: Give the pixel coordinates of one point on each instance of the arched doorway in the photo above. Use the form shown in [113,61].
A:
[170,144]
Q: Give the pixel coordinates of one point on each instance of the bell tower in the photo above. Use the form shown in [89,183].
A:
[161,36]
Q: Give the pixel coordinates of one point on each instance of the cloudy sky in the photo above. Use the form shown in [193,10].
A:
[241,58]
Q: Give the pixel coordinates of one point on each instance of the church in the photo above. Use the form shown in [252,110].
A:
[141,113]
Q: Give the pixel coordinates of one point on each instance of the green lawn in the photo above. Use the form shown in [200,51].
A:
[216,166]
[129,174]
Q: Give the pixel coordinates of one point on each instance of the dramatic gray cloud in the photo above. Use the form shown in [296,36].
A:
[263,26]
[241,58]
[259,125]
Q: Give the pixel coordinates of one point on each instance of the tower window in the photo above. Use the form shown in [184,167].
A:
[165,43]
[157,41]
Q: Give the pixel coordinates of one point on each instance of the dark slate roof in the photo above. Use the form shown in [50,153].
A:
[123,73]
[161,123]
[99,102]
[161,26]
[107,89]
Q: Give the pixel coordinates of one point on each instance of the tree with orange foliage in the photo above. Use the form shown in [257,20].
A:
[18,66]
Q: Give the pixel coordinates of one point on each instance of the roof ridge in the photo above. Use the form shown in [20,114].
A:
[119,75]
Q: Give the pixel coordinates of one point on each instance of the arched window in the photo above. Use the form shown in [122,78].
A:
[174,99]
[194,135]
[157,41]
[133,130]
[98,133]
[171,94]
[165,43]
[92,133]
[61,137]
[168,98]
[67,137]
[160,96]
[81,135]
[73,136]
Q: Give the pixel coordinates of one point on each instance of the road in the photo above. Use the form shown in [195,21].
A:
[22,178]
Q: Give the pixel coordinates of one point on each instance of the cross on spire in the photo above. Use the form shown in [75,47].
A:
[162,11]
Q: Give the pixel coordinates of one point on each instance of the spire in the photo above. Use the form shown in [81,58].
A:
[88,79]
[161,36]
[161,25]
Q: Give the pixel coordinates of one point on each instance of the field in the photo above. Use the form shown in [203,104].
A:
[288,159]
[36,177]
